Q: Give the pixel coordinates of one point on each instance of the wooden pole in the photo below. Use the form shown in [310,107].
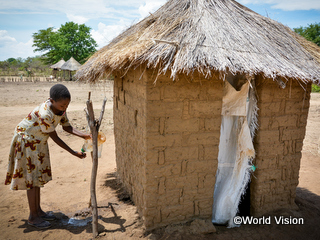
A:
[94,128]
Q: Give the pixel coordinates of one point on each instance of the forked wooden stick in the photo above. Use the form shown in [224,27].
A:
[94,125]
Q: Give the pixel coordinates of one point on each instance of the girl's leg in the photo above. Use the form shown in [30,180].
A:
[34,216]
[40,212]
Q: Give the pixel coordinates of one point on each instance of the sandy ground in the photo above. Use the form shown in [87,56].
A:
[67,195]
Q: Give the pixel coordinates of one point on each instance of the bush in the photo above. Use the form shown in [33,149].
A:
[315,88]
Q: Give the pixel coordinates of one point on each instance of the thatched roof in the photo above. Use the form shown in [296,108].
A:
[311,47]
[58,64]
[71,65]
[205,35]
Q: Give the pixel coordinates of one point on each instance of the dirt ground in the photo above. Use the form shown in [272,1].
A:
[67,195]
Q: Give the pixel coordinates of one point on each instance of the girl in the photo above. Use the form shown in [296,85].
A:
[29,162]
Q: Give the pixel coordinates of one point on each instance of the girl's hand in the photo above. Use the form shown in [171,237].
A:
[87,136]
[80,154]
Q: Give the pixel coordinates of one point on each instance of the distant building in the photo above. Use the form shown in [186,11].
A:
[57,67]
[70,66]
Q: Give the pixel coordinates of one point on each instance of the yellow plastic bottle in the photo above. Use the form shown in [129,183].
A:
[87,146]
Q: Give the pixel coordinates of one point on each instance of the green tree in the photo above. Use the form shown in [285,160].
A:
[18,66]
[11,60]
[42,40]
[15,64]
[71,40]
[4,66]
[311,33]
[34,63]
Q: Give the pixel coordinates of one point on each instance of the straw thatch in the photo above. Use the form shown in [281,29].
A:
[71,65]
[311,47]
[58,65]
[205,35]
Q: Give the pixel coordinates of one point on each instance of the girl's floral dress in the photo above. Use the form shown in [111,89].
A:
[29,160]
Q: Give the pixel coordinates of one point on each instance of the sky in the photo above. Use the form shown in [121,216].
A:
[19,19]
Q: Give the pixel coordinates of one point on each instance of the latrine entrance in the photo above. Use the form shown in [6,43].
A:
[236,151]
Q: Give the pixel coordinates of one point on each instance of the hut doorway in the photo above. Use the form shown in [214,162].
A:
[238,122]
[244,205]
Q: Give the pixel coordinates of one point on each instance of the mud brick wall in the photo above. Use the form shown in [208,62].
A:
[129,113]
[168,158]
[282,124]
[183,130]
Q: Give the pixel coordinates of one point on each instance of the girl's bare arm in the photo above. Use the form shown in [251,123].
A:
[76,132]
[62,144]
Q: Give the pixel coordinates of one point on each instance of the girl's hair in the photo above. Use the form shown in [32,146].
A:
[58,92]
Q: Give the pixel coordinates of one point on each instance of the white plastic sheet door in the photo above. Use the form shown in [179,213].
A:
[235,154]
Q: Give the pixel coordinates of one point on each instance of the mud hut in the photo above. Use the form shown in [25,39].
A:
[57,67]
[179,73]
[70,66]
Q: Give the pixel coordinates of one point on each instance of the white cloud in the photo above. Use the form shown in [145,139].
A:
[92,9]
[24,49]
[16,49]
[106,33]
[77,19]
[287,5]
[5,38]
[150,7]
[83,9]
